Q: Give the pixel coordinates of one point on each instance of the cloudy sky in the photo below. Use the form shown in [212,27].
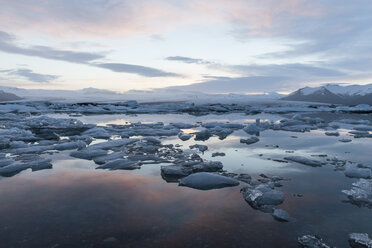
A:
[219,46]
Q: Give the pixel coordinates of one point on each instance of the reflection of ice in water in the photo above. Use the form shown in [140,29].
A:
[136,201]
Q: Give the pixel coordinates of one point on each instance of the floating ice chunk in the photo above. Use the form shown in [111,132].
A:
[33,149]
[223,125]
[120,164]
[112,143]
[360,240]
[13,169]
[311,241]
[218,154]
[361,193]
[203,135]
[43,148]
[344,140]
[16,134]
[143,147]
[16,167]
[152,140]
[201,148]
[69,145]
[332,133]
[244,178]
[131,103]
[352,121]
[356,132]
[175,170]
[221,132]
[262,195]
[87,139]
[88,153]
[363,128]
[5,161]
[356,171]
[298,128]
[253,129]
[98,133]
[281,215]
[250,140]
[180,125]
[184,136]
[151,158]
[304,160]
[207,181]
[208,166]
[109,157]
[17,144]
[40,164]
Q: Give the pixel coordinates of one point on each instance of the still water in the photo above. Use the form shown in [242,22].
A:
[75,205]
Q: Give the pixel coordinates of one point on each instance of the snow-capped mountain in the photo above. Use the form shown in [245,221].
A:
[6,96]
[334,93]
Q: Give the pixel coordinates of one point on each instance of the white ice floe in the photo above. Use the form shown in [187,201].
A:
[311,241]
[262,195]
[361,193]
[360,240]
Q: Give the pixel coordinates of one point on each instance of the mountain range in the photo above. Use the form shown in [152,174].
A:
[102,95]
[334,93]
[330,93]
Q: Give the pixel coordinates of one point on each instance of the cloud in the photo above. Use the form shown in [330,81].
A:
[263,78]
[125,18]
[34,77]
[294,70]
[8,45]
[326,40]
[188,60]
[136,69]
[30,75]
[252,84]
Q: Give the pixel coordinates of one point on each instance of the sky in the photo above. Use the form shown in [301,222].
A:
[219,46]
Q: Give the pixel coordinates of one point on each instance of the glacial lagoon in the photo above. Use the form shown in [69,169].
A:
[78,176]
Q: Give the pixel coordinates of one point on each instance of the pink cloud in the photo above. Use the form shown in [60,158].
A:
[120,19]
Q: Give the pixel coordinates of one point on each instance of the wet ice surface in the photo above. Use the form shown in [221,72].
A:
[132,181]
